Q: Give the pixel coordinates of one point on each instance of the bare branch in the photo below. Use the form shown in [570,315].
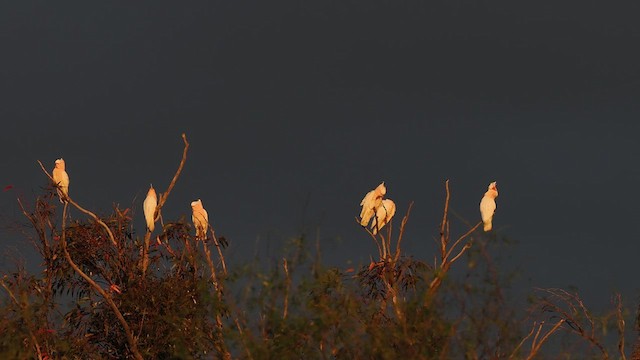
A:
[535,346]
[443,238]
[163,200]
[402,226]
[461,238]
[165,195]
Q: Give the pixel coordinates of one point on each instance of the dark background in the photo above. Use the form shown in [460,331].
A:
[295,109]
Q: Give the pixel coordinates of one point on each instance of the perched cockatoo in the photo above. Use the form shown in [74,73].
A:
[384,213]
[488,205]
[370,203]
[149,207]
[61,179]
[200,219]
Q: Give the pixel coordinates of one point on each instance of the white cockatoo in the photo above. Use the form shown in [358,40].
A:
[61,179]
[488,206]
[384,213]
[370,203]
[149,207]
[200,219]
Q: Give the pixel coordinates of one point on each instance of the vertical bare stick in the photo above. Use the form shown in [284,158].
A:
[443,237]
[401,233]
[163,199]
[287,287]
[217,244]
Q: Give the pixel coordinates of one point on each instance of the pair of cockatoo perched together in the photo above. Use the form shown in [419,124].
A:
[199,215]
[374,206]
[384,209]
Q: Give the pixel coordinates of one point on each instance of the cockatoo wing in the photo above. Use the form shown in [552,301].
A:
[383,215]
[61,178]
[487,209]
[200,219]
[149,207]
[370,202]
[367,204]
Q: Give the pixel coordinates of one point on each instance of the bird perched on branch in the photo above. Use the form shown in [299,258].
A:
[384,213]
[200,219]
[149,207]
[61,179]
[488,206]
[370,203]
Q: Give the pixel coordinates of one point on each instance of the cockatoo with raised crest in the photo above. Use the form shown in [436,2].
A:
[370,203]
[200,219]
[61,179]
[149,207]
[488,206]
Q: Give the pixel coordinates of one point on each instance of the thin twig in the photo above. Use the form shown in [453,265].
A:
[402,225]
[443,238]
[620,325]
[374,239]
[219,248]
[515,351]
[460,239]
[537,346]
[464,248]
[165,195]
[287,287]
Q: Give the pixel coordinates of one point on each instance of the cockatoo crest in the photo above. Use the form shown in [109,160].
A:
[493,186]
[488,206]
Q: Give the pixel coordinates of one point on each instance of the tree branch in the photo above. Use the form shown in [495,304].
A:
[130,339]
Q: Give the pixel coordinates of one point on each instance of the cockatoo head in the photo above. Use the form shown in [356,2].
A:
[196,204]
[60,164]
[493,189]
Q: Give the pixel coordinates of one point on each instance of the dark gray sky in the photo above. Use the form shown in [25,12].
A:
[285,101]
